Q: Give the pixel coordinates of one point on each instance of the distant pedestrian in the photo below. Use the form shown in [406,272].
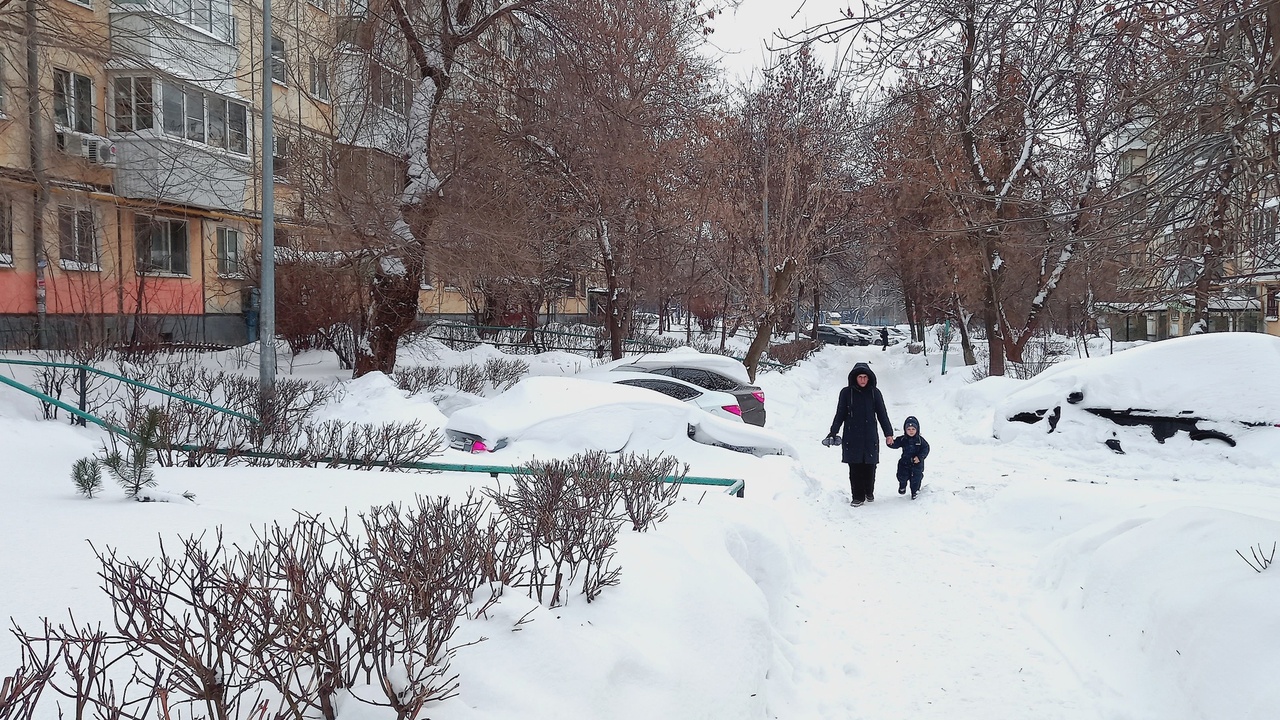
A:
[884,338]
[859,408]
[914,450]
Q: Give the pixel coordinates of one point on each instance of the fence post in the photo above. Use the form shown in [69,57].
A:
[84,394]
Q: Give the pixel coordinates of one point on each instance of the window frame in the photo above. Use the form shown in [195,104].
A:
[387,85]
[212,17]
[319,76]
[228,264]
[234,117]
[77,233]
[135,82]
[279,61]
[67,93]
[6,230]
[151,223]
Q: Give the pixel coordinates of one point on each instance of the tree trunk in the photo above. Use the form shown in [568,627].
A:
[776,304]
[392,310]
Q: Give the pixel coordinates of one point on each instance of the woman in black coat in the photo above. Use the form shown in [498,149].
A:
[860,406]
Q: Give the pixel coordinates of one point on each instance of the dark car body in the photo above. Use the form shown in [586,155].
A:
[840,335]
[750,397]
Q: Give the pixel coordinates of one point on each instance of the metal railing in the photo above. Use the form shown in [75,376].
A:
[82,381]
[733,486]
[541,339]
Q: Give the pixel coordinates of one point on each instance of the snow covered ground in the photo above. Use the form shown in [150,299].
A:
[1031,579]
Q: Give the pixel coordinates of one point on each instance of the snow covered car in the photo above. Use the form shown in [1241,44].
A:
[706,370]
[720,404]
[1211,386]
[591,415]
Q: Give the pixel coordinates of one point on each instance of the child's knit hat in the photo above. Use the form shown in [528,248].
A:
[911,421]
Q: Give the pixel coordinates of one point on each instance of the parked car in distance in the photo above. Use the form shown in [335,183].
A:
[591,415]
[720,404]
[841,335]
[705,370]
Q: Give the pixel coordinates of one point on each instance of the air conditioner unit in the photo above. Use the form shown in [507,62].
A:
[94,148]
[99,150]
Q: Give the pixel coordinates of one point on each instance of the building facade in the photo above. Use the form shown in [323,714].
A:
[130,148]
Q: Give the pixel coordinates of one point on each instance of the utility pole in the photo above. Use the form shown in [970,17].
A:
[35,146]
[267,297]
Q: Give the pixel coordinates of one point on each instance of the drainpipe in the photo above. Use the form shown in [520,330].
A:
[35,145]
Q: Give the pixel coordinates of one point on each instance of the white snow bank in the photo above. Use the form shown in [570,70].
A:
[1163,604]
[691,617]
[1221,376]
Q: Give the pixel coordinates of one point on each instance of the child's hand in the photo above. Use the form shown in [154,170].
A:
[915,460]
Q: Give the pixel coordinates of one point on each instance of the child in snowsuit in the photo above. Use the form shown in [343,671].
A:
[914,450]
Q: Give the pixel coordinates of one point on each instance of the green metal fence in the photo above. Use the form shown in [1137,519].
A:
[541,339]
[733,486]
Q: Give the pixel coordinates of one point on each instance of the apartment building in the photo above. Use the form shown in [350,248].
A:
[1153,298]
[130,195]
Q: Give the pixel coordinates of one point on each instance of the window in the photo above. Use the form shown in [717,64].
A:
[280,156]
[162,245]
[73,101]
[322,5]
[390,88]
[212,16]
[228,251]
[6,230]
[188,113]
[133,103]
[1273,302]
[319,79]
[77,245]
[4,93]
[279,64]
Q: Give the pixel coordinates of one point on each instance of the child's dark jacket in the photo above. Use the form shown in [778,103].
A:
[912,447]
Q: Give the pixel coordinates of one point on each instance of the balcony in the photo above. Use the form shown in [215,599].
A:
[145,37]
[152,166]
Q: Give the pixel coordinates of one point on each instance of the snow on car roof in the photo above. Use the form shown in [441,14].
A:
[535,400]
[688,357]
[1220,376]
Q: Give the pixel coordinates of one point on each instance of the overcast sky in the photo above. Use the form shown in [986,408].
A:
[741,34]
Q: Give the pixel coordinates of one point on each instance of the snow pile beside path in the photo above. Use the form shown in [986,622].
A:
[1169,592]
[1223,376]
[686,635]
[374,398]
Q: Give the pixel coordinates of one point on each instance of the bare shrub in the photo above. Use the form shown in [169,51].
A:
[20,691]
[646,494]
[915,348]
[790,353]
[1039,355]
[979,372]
[1261,560]
[567,511]
[468,378]
[420,378]
[502,373]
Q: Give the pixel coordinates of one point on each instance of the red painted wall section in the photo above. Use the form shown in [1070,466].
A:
[17,291]
[74,293]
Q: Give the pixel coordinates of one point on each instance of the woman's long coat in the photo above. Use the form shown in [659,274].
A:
[858,410]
